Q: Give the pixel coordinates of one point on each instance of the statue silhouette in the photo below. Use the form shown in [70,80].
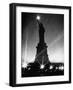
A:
[42,56]
[41,33]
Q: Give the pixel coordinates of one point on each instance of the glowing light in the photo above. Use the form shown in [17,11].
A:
[42,66]
[61,67]
[24,65]
[29,68]
[51,67]
[38,17]
[56,67]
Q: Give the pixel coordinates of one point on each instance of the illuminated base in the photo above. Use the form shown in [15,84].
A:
[42,66]
[35,69]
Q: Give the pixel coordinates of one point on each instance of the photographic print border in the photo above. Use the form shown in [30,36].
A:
[12,70]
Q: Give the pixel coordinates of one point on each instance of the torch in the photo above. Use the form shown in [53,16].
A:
[38,19]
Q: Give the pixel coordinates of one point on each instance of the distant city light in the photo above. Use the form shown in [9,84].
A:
[38,17]
[42,66]
[51,67]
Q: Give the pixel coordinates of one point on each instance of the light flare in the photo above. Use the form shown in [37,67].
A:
[38,17]
[24,65]
[42,66]
[61,67]
[51,67]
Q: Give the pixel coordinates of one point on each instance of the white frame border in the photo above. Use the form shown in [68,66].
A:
[27,80]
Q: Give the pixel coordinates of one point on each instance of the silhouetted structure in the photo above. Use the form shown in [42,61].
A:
[42,65]
[41,55]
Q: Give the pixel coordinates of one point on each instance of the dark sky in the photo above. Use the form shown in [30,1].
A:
[54,36]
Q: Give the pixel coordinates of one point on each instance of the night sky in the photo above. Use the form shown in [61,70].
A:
[54,36]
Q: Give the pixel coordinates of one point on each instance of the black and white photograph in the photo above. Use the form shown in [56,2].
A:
[40,44]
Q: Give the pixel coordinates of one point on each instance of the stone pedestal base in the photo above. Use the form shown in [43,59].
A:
[42,56]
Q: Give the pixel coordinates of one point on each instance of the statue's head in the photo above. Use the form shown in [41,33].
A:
[40,24]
